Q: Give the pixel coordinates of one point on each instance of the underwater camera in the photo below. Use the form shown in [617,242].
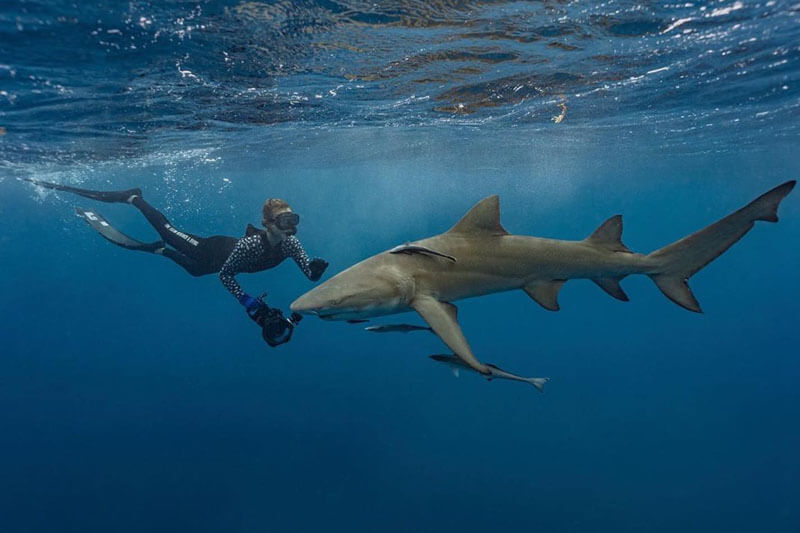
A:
[276,329]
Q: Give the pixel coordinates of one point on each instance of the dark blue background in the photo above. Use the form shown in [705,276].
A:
[134,397]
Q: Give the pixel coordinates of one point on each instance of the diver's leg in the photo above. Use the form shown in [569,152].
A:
[192,266]
[185,243]
[102,196]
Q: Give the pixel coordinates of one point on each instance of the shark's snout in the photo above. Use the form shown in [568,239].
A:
[314,302]
[302,306]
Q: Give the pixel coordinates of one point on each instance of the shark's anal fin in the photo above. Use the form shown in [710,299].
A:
[612,287]
[609,235]
[545,293]
[677,290]
[422,250]
[443,319]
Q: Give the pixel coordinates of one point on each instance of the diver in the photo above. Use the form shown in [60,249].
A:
[258,250]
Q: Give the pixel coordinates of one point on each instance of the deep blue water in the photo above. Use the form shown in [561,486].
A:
[134,397]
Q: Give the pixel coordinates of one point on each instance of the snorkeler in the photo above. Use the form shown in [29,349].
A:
[258,250]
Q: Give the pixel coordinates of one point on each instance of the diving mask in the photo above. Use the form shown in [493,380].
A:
[287,221]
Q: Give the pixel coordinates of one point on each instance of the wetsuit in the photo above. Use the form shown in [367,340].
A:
[227,255]
[199,255]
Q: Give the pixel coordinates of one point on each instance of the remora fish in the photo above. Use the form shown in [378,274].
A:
[488,259]
[494,372]
[399,328]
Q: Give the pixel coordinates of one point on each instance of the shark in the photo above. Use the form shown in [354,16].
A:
[457,364]
[477,256]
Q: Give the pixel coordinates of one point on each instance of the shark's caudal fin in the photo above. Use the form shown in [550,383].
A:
[538,383]
[677,262]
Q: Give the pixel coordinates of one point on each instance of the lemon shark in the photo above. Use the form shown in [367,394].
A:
[478,256]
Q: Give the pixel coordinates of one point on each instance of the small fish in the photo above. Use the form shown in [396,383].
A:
[457,364]
[411,249]
[397,328]
[357,321]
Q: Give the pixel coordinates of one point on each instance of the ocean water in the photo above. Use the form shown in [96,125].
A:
[134,397]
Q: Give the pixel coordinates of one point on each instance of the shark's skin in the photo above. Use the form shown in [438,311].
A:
[488,259]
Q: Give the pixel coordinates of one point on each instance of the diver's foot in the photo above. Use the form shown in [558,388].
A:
[111,197]
[153,247]
[116,197]
[131,194]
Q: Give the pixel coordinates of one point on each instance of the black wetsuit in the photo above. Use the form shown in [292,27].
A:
[227,255]
[198,255]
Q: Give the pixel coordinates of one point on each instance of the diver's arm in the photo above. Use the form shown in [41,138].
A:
[291,247]
[232,267]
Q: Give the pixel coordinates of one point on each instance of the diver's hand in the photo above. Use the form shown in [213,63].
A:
[317,267]
[253,306]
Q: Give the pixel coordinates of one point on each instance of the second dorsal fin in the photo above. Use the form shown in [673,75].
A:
[609,235]
[484,217]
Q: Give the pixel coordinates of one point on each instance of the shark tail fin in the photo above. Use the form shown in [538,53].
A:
[675,263]
[538,383]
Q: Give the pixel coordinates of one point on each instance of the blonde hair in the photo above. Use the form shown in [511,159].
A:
[270,206]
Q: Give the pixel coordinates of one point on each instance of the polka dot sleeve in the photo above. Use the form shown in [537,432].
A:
[244,251]
[291,247]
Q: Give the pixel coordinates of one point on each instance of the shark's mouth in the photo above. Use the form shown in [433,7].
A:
[339,314]
[327,315]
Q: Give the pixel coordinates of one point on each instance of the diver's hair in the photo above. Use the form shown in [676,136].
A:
[270,206]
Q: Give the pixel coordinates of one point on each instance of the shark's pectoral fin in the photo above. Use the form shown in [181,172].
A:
[443,319]
[421,250]
[545,293]
[612,287]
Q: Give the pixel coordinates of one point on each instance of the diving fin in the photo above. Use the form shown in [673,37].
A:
[109,232]
[102,196]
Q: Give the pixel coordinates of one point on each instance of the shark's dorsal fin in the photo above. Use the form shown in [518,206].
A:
[545,293]
[609,235]
[484,217]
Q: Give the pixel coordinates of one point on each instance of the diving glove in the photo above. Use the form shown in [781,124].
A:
[317,267]
[254,306]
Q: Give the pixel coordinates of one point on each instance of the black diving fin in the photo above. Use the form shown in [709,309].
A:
[109,232]
[102,196]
